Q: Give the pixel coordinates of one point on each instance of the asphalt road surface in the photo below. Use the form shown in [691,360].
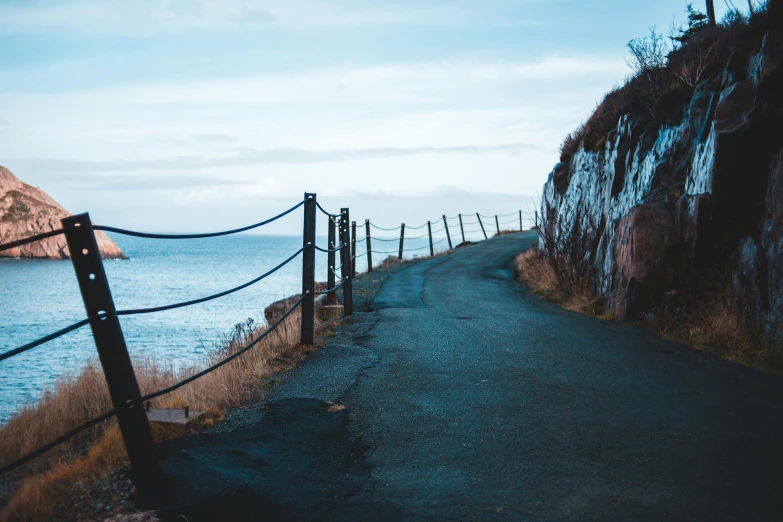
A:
[461,396]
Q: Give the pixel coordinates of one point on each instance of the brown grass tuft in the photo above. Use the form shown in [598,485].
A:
[713,324]
[536,272]
[47,481]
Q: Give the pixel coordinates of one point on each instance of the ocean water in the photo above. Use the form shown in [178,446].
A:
[38,297]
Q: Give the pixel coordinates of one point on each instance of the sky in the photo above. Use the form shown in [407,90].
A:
[199,115]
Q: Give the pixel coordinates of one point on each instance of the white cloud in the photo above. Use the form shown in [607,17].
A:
[144,17]
[482,126]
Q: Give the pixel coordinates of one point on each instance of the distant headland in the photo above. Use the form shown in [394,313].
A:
[26,210]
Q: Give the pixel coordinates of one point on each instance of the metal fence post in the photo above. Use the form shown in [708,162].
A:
[536,217]
[353,249]
[429,229]
[402,239]
[482,225]
[446,227]
[331,297]
[461,228]
[113,354]
[520,221]
[497,223]
[346,262]
[308,271]
[369,246]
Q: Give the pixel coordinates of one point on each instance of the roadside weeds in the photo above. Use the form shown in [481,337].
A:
[712,325]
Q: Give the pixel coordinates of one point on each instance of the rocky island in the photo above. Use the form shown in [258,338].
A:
[26,210]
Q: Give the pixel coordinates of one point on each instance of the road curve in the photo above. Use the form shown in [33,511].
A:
[468,398]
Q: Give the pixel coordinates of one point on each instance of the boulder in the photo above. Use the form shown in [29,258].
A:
[561,176]
[276,310]
[644,241]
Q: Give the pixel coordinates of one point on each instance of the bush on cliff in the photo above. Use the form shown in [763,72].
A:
[664,74]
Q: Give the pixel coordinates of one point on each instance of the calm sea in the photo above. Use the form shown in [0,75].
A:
[38,297]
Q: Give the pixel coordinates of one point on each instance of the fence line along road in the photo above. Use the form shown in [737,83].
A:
[103,317]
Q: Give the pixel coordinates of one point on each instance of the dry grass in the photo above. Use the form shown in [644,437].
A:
[536,272]
[47,481]
[665,76]
[712,324]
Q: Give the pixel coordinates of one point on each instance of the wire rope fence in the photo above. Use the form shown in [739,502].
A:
[103,317]
[438,231]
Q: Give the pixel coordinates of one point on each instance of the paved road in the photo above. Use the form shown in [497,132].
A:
[466,398]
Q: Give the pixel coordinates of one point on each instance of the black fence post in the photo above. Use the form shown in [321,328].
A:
[461,228]
[113,354]
[446,227]
[346,262]
[520,221]
[536,218]
[429,229]
[402,239]
[353,249]
[331,297]
[369,246]
[308,271]
[497,223]
[482,225]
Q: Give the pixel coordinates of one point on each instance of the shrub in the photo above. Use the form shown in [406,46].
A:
[19,208]
[569,252]
[697,53]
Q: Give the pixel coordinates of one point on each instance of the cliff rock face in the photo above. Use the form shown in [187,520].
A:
[26,211]
[693,203]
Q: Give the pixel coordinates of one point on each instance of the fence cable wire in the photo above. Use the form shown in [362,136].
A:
[337,287]
[197,236]
[228,359]
[318,204]
[327,250]
[139,311]
[385,229]
[56,442]
[31,239]
[44,339]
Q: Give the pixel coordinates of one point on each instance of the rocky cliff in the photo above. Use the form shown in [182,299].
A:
[679,205]
[26,211]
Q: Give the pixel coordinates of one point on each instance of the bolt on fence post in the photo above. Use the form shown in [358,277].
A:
[353,249]
[345,257]
[497,223]
[520,221]
[331,297]
[461,228]
[113,354]
[402,239]
[482,225]
[429,229]
[369,246]
[446,227]
[308,271]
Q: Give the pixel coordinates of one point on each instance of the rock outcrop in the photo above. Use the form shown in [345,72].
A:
[691,202]
[26,211]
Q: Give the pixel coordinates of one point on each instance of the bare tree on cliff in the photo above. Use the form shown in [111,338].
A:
[711,13]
